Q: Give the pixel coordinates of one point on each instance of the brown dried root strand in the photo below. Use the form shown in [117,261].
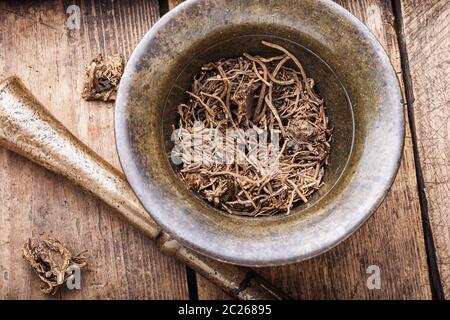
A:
[260,93]
[50,259]
[102,78]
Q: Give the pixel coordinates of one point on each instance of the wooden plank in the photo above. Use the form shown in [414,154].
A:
[426,36]
[36,45]
[392,239]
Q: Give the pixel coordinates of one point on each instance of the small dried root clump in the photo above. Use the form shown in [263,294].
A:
[102,78]
[50,259]
[253,92]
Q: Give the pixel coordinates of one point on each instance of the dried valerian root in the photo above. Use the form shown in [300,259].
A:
[258,93]
[102,77]
[50,259]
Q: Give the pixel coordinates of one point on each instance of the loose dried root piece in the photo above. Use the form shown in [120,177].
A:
[102,77]
[259,93]
[50,259]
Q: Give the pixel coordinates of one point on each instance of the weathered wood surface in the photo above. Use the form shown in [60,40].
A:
[36,44]
[426,35]
[392,239]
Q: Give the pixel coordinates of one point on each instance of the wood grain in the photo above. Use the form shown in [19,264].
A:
[426,35]
[36,45]
[392,239]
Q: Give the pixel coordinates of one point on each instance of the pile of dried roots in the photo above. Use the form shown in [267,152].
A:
[50,259]
[102,77]
[254,92]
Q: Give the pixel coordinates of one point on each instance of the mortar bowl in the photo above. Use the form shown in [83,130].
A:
[354,77]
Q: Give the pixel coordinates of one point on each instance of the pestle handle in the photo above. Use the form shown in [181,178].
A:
[28,129]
